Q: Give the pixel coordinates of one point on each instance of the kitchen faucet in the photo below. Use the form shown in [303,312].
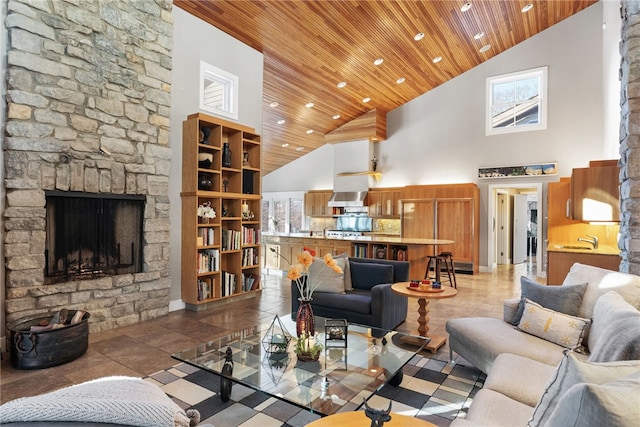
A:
[593,240]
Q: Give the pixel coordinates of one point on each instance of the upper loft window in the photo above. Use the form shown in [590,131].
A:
[517,102]
[218,91]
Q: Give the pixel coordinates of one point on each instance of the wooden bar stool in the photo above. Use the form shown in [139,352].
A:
[444,259]
[447,258]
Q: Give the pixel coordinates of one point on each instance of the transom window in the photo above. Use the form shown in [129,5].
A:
[517,102]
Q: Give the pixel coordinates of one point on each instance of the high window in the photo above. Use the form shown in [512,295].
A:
[517,102]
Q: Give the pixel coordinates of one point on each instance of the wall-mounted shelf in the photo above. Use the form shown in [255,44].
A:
[377,175]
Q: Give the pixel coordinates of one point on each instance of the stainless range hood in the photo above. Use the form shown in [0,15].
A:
[342,199]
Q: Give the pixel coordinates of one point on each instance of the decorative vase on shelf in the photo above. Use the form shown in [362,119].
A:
[226,155]
[305,322]
[204,182]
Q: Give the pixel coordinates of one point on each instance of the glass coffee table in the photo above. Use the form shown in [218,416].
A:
[339,381]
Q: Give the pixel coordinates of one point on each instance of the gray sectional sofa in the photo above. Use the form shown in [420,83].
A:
[366,297]
[590,376]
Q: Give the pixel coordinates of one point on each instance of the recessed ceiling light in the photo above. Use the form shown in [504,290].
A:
[400,80]
[336,116]
[465,7]
[342,84]
[281,121]
[299,148]
[309,131]
[378,61]
[285,145]
[437,59]
[485,48]
[274,104]
[365,100]
[479,35]
[527,8]
[309,104]
[418,36]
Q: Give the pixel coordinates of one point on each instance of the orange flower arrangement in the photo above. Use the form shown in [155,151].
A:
[297,271]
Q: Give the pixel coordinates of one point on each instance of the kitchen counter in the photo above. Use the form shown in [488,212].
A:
[573,248]
[370,238]
[561,256]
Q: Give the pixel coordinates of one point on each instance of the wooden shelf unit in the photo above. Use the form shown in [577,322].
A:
[221,257]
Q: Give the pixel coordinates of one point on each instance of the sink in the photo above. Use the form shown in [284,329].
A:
[584,248]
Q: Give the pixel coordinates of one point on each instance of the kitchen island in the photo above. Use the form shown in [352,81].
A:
[281,248]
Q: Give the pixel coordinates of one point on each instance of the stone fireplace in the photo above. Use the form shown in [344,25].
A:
[88,91]
[88,236]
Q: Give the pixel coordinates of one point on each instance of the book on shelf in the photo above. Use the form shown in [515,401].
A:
[207,235]
[248,282]
[250,236]
[228,283]
[204,290]
[250,256]
[231,240]
[208,260]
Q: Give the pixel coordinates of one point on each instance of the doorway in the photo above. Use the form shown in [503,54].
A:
[513,226]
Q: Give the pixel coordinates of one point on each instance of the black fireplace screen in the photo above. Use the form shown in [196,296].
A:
[92,235]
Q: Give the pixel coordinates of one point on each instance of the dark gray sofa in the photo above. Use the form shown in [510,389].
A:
[371,302]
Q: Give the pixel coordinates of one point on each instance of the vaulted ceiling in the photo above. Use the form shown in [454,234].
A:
[309,47]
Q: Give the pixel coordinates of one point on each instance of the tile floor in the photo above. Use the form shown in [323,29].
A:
[145,348]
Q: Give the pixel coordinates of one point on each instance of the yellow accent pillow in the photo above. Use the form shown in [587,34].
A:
[553,326]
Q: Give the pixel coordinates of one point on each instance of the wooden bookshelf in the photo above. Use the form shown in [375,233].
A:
[220,256]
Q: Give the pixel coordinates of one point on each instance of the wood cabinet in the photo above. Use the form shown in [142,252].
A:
[220,256]
[440,212]
[384,203]
[316,203]
[559,263]
[595,194]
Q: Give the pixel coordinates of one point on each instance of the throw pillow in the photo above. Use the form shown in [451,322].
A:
[367,275]
[348,286]
[614,329]
[572,371]
[614,404]
[565,299]
[602,281]
[324,278]
[553,326]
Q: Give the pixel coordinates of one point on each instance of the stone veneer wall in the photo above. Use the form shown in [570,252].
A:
[630,137]
[88,91]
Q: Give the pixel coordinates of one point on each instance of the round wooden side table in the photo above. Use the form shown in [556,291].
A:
[436,341]
[359,419]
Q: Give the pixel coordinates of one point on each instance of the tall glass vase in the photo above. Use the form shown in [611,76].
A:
[305,321]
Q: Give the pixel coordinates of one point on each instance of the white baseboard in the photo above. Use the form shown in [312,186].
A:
[176,305]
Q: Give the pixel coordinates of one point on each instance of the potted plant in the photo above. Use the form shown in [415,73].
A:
[307,349]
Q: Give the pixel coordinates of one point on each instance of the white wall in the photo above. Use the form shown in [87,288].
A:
[195,40]
[439,137]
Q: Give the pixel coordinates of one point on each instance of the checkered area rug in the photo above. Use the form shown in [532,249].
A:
[431,390]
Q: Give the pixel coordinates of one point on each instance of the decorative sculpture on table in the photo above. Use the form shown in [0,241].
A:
[378,416]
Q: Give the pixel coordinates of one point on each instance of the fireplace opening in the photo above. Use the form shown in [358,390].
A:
[89,236]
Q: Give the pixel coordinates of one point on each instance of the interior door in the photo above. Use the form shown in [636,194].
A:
[520,225]
[502,230]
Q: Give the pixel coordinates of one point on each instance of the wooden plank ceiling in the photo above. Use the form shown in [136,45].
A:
[311,46]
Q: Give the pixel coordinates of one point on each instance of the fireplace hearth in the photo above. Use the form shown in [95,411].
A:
[89,236]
